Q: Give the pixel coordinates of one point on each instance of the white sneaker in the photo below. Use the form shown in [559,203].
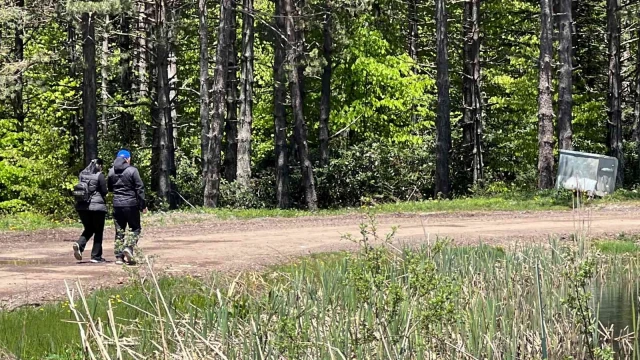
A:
[76,252]
[119,261]
[128,256]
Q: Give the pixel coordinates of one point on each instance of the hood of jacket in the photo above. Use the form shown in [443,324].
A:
[120,165]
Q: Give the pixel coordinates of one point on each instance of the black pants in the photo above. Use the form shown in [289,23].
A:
[123,217]
[93,222]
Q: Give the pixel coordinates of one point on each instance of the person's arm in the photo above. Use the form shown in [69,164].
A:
[109,182]
[139,187]
[102,185]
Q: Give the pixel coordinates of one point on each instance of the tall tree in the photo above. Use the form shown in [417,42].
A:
[231,120]
[143,61]
[17,99]
[218,104]
[545,99]
[325,96]
[412,15]
[162,151]
[173,17]
[294,47]
[615,84]
[472,95]
[565,84]
[203,36]
[280,113]
[104,72]
[89,110]
[636,110]
[443,119]
[246,95]
[74,118]
[125,79]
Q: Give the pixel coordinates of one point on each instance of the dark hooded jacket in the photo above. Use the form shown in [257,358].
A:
[125,184]
[97,188]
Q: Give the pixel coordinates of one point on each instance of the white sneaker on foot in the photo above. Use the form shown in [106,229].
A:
[76,252]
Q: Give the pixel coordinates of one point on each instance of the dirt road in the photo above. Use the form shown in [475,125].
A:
[33,266]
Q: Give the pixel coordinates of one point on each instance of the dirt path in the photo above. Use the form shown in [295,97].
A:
[33,266]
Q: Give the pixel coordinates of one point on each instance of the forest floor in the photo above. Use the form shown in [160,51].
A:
[35,264]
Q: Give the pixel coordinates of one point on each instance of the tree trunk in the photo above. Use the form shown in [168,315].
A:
[203,34]
[143,70]
[545,99]
[246,96]
[17,100]
[293,57]
[472,95]
[443,122]
[173,18]
[325,96]
[104,72]
[124,43]
[565,85]
[615,110]
[218,109]
[162,152]
[74,125]
[299,23]
[89,115]
[413,44]
[636,111]
[280,113]
[231,121]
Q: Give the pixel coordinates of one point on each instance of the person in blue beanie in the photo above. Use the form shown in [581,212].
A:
[128,201]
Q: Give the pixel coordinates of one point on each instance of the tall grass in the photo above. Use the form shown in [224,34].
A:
[433,302]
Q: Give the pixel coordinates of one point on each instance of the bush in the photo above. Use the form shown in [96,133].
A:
[376,172]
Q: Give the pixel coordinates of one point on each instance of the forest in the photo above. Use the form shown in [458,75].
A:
[313,103]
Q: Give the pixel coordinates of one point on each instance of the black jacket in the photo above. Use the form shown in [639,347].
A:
[125,184]
[98,189]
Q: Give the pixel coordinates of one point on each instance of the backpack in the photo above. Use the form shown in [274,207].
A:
[81,192]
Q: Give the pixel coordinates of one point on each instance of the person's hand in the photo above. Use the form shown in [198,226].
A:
[144,211]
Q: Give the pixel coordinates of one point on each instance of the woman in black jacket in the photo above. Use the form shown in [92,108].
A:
[93,212]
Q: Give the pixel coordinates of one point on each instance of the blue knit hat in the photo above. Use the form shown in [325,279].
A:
[124,154]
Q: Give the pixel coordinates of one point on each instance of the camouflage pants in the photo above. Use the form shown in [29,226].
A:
[123,218]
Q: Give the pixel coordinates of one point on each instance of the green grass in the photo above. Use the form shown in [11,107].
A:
[484,297]
[617,247]
[33,333]
[516,201]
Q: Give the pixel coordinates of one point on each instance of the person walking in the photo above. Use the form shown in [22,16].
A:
[91,206]
[128,201]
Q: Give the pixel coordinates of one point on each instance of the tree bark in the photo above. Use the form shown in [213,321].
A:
[74,124]
[412,15]
[162,151]
[89,115]
[280,113]
[545,99]
[104,72]
[565,84]
[472,95]
[615,109]
[231,121]
[443,120]
[17,100]
[173,18]
[636,110]
[203,34]
[143,61]
[218,109]
[246,96]
[325,96]
[293,56]
[124,43]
